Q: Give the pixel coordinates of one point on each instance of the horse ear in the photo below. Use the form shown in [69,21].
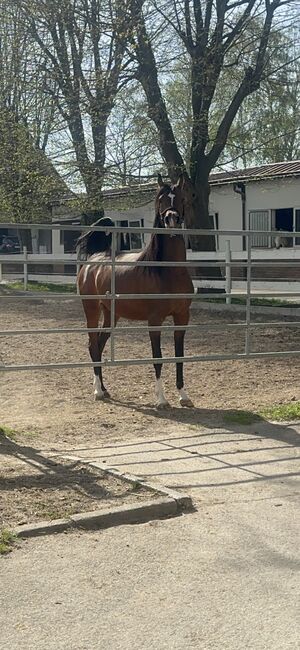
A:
[160,180]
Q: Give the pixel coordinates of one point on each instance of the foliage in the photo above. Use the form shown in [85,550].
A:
[131,144]
[213,37]
[240,417]
[29,183]
[282,412]
[116,90]
[44,287]
[7,540]
[83,43]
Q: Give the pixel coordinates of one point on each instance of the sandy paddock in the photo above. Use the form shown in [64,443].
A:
[60,405]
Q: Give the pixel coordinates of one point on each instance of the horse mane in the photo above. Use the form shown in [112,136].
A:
[94,241]
[153,252]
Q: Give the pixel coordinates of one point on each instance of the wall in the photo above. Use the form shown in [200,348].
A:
[260,195]
[273,194]
[228,205]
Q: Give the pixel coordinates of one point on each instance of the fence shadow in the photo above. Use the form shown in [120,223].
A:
[235,420]
[45,472]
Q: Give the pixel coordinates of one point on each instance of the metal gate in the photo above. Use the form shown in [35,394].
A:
[247,325]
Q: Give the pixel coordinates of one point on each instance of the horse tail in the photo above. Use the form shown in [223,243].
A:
[95,241]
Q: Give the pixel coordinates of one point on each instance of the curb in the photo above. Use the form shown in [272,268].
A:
[101,519]
[170,504]
[183,500]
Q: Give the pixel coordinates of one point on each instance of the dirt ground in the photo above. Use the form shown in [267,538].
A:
[59,405]
[35,488]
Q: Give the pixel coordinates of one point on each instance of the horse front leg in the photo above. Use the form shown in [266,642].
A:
[181,319]
[100,391]
[155,337]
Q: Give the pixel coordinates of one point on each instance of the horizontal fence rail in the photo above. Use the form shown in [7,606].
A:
[225,260]
[148,360]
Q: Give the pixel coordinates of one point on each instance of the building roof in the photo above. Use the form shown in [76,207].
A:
[135,196]
[273,170]
[261,172]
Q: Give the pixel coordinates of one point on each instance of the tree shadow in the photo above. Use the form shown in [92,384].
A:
[48,473]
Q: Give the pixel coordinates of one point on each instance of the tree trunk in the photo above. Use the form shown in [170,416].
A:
[196,215]
[25,239]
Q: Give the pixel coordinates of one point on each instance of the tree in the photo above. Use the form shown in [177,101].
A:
[207,31]
[28,180]
[84,43]
[266,128]
[131,145]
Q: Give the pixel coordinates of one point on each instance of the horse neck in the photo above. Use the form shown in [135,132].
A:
[173,248]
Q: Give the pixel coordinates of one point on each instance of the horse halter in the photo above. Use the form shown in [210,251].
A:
[163,214]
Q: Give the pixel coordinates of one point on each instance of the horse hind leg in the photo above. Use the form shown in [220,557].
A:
[100,392]
[97,342]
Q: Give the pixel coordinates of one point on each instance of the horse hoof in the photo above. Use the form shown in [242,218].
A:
[186,403]
[162,405]
[102,396]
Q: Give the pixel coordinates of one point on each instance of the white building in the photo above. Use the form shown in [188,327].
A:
[258,198]
[268,199]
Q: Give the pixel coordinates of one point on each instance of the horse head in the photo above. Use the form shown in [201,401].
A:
[169,210]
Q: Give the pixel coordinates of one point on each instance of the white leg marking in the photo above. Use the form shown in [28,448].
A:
[98,392]
[184,398]
[161,400]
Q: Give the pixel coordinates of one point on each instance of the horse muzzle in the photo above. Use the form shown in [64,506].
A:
[172,219]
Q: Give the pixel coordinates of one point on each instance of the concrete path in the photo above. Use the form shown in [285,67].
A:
[213,465]
[224,578]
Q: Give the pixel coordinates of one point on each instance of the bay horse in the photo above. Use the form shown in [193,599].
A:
[95,279]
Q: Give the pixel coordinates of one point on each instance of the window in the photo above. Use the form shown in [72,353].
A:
[131,241]
[136,238]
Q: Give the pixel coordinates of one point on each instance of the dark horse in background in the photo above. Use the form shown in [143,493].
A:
[95,279]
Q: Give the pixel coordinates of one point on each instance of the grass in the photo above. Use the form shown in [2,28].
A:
[7,540]
[262,302]
[12,433]
[281,412]
[44,287]
[8,432]
[240,417]
[277,413]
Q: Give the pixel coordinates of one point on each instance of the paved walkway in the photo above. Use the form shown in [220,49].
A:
[223,578]
[213,464]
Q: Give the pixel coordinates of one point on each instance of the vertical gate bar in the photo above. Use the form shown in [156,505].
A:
[113,296]
[25,266]
[228,283]
[248,298]
[1,274]
[77,271]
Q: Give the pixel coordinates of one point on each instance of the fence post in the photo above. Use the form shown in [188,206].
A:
[113,294]
[248,298]
[228,284]
[77,271]
[25,268]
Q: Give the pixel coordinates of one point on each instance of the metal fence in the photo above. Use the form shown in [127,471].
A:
[203,260]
